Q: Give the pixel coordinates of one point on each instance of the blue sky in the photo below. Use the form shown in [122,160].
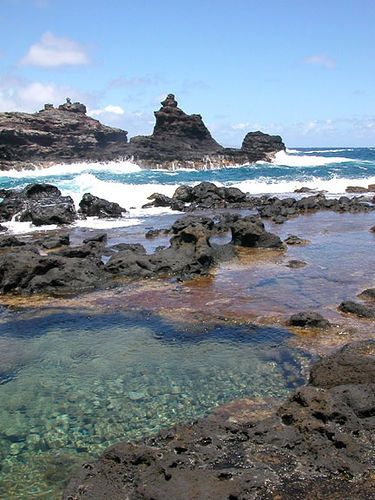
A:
[304,69]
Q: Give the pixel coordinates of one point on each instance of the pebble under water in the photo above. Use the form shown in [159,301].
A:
[72,384]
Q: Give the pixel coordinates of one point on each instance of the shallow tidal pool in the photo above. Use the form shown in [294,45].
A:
[72,384]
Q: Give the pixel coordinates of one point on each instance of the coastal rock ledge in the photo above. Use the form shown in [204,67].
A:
[67,134]
[318,444]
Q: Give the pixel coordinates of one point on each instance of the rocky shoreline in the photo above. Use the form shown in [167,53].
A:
[66,134]
[317,444]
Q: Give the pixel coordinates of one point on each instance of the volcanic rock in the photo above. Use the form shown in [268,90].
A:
[259,146]
[250,232]
[312,446]
[67,134]
[309,319]
[360,310]
[368,294]
[62,134]
[25,271]
[38,203]
[92,206]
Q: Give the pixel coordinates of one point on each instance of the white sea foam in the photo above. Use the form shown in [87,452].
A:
[334,186]
[127,195]
[285,159]
[59,169]
[341,150]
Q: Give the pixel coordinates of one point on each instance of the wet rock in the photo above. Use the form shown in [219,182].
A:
[356,189]
[360,310]
[296,264]
[184,194]
[304,189]
[368,294]
[10,241]
[92,206]
[263,145]
[133,247]
[97,238]
[155,233]
[295,240]
[309,447]
[309,319]
[372,229]
[371,188]
[3,229]
[58,210]
[24,271]
[250,232]
[37,203]
[56,241]
[158,200]
[353,364]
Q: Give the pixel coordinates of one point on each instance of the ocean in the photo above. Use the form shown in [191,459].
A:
[129,185]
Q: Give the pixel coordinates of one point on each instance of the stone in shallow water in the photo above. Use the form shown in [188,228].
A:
[308,319]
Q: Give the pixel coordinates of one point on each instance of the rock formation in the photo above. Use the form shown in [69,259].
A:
[318,444]
[57,135]
[66,134]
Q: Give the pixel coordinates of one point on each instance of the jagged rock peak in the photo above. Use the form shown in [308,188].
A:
[169,102]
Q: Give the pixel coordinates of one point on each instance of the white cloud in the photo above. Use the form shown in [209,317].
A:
[110,109]
[320,60]
[52,51]
[17,94]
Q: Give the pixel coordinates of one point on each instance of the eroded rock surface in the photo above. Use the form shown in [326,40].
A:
[318,444]
[25,269]
[41,204]
[67,134]
[61,134]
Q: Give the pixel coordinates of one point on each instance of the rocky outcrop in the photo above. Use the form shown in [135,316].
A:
[41,204]
[92,206]
[57,135]
[207,195]
[318,444]
[26,269]
[260,146]
[309,319]
[66,134]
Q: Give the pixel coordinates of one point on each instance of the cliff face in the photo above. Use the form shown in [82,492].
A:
[62,134]
[176,137]
[67,134]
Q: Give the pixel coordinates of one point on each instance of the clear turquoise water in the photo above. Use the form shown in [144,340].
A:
[71,384]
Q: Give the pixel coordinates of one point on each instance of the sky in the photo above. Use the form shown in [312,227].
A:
[299,68]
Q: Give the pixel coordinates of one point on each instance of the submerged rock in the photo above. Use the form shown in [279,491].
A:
[308,319]
[310,447]
[368,294]
[295,240]
[349,306]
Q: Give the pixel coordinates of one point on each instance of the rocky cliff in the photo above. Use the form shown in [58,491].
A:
[66,134]
[62,134]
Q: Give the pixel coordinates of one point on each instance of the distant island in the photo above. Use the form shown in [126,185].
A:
[67,133]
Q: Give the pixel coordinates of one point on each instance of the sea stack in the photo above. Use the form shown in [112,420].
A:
[67,133]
